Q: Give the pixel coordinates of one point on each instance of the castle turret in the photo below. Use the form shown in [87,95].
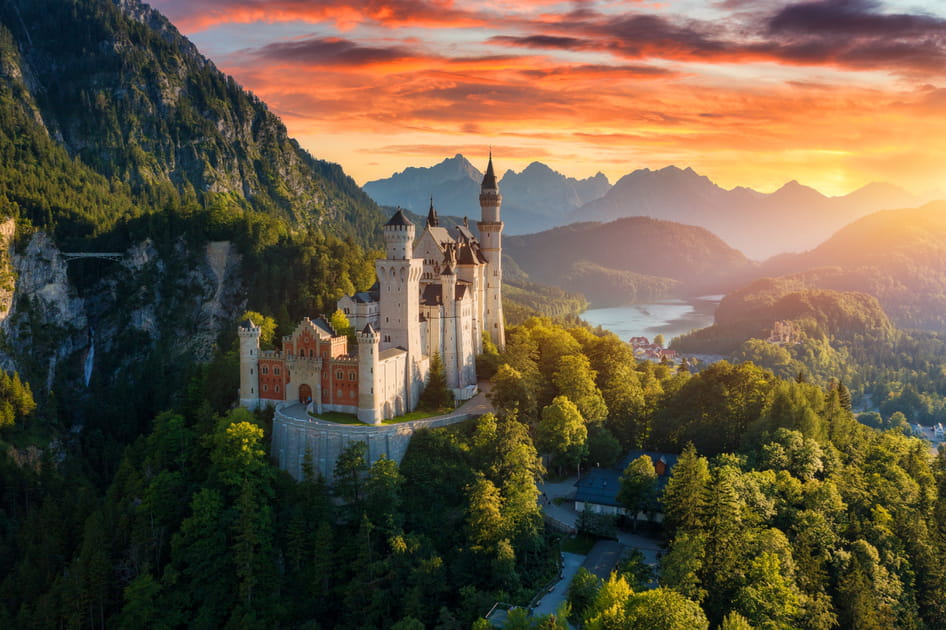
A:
[399,280]
[448,294]
[369,376]
[249,334]
[399,237]
[491,230]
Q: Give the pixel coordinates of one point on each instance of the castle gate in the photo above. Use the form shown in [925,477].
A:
[305,393]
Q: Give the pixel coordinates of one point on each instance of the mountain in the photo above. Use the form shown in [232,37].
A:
[128,97]
[629,260]
[899,256]
[535,199]
[454,185]
[793,218]
[539,198]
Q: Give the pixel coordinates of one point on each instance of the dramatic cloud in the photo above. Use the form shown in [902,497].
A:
[834,93]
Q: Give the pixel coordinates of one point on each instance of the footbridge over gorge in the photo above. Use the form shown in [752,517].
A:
[295,432]
[113,256]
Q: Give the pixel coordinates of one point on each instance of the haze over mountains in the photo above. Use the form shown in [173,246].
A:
[535,199]
[794,218]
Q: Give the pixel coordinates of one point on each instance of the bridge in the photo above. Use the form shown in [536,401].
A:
[113,256]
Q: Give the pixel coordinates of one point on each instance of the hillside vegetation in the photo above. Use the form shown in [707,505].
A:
[898,256]
[630,259]
[124,116]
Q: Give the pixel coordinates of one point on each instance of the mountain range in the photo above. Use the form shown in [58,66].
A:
[794,218]
[535,199]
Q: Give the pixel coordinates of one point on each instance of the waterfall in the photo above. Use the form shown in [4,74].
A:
[90,356]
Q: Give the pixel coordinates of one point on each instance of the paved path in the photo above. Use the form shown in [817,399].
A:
[559,593]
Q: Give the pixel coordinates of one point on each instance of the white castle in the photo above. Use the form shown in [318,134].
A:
[437,294]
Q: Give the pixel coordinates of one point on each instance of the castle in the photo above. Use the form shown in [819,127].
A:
[437,294]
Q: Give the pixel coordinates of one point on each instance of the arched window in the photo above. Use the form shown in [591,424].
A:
[265,369]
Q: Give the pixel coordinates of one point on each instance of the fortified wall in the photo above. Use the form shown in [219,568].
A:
[292,436]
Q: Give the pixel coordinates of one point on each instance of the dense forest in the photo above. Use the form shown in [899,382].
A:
[783,510]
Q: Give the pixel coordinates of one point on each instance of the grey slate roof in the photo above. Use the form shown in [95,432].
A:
[399,218]
[600,486]
[489,179]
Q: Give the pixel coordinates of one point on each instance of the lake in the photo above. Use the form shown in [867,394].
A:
[670,317]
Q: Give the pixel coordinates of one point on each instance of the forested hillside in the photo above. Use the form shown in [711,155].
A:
[629,260]
[898,256]
[125,95]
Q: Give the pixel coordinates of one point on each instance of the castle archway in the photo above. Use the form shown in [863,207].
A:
[305,393]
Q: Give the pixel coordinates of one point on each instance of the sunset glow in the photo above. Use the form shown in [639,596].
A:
[833,93]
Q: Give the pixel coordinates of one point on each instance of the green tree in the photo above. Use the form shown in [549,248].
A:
[512,393]
[682,495]
[349,467]
[436,395]
[663,609]
[581,593]
[16,399]
[562,432]
[266,324]
[603,448]
[638,486]
[383,493]
[769,599]
[735,621]
[575,380]
[339,322]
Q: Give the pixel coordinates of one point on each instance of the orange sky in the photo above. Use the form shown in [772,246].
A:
[833,93]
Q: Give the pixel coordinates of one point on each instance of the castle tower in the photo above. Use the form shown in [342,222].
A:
[369,376]
[491,230]
[249,334]
[399,281]
[448,294]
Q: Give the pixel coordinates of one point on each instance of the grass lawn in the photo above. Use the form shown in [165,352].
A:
[347,418]
[336,417]
[580,544]
[417,414]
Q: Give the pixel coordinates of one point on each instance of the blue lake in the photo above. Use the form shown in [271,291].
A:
[670,317]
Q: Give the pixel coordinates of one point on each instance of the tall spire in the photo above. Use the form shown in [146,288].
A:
[432,219]
[489,180]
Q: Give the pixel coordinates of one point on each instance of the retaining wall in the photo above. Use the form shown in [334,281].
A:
[292,436]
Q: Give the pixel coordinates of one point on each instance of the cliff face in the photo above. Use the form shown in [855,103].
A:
[180,301]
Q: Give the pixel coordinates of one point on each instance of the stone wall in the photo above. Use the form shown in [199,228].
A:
[292,436]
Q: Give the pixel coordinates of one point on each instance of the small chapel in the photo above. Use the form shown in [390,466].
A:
[435,294]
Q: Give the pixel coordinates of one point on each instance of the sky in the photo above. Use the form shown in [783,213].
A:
[832,93]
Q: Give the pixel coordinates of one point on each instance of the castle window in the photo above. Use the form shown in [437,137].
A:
[265,387]
[339,375]
[351,376]
[277,389]
[251,371]
[351,394]
[276,371]
[265,369]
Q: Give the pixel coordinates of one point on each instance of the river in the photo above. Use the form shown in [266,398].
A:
[670,317]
